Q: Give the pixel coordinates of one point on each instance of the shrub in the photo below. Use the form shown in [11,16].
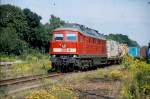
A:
[62,92]
[130,90]
[127,61]
[31,65]
[137,86]
[41,94]
[55,92]
[6,58]
[116,75]
[143,79]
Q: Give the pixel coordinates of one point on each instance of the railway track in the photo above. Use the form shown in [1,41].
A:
[10,86]
[10,63]
[18,80]
[26,79]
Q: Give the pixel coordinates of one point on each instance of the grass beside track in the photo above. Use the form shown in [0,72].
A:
[29,65]
[127,81]
[67,86]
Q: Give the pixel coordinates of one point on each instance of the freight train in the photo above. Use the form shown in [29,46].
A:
[76,47]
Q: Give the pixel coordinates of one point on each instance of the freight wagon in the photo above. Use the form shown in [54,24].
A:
[113,52]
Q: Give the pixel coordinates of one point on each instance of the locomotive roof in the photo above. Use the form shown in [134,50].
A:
[82,29]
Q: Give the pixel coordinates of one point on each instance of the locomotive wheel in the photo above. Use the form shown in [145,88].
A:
[71,67]
[57,68]
[63,68]
[91,64]
[81,68]
[76,68]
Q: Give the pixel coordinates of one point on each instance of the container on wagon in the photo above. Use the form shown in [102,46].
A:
[123,49]
[134,52]
[148,54]
[112,49]
[148,51]
[143,52]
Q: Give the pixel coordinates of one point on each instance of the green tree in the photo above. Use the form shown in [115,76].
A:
[122,39]
[12,26]
[37,36]
[54,22]
[32,18]
[22,29]
[41,38]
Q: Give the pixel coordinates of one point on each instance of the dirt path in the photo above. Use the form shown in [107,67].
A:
[99,88]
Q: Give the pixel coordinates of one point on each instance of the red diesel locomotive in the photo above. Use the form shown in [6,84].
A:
[75,47]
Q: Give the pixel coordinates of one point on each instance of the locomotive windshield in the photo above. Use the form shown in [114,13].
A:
[58,37]
[71,37]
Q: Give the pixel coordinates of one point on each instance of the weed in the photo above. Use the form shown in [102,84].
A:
[41,94]
[116,75]
[55,92]
[137,84]
[31,65]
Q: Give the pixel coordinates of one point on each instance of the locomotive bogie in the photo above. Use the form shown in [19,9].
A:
[62,62]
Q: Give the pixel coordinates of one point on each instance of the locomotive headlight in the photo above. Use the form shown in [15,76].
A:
[74,55]
[53,55]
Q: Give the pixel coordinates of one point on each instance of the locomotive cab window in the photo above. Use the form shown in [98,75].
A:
[58,37]
[71,37]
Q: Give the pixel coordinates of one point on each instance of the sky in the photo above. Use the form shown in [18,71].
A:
[129,17]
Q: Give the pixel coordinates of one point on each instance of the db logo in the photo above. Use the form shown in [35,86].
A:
[63,46]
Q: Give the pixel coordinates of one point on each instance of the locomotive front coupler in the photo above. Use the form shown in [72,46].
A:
[64,61]
[68,60]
